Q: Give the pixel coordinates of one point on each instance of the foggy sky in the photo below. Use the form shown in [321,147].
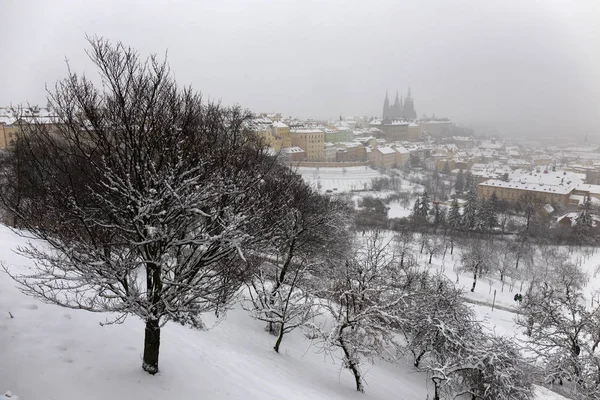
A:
[525,66]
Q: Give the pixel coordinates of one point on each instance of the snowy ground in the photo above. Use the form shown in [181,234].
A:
[340,180]
[397,210]
[52,353]
[343,180]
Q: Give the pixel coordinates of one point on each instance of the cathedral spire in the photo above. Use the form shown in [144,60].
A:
[386,106]
[409,107]
[401,107]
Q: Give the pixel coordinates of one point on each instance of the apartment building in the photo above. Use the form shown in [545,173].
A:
[312,141]
[282,132]
[384,157]
[549,186]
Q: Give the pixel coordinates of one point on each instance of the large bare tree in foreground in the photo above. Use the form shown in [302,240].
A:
[145,196]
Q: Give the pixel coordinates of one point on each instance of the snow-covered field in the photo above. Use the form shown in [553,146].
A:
[396,210]
[48,352]
[344,180]
[341,180]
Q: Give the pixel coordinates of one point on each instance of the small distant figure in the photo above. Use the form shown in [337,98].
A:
[518,297]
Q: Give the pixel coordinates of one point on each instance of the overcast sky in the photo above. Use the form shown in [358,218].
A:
[526,66]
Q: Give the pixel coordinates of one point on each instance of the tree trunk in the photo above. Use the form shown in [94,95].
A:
[451,246]
[151,346]
[430,257]
[279,339]
[474,279]
[436,394]
[152,334]
[353,367]
[418,359]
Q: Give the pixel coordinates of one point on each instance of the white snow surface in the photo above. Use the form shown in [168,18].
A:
[338,178]
[49,352]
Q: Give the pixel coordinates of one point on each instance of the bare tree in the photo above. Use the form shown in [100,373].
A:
[432,305]
[362,299]
[469,362]
[433,246]
[146,197]
[404,246]
[531,206]
[311,233]
[478,257]
[562,333]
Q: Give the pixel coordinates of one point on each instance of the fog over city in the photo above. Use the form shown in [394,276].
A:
[521,66]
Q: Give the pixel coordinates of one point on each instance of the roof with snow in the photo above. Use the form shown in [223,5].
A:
[290,150]
[386,150]
[307,131]
[548,208]
[559,182]
[592,189]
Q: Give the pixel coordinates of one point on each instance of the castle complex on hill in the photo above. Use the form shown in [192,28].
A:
[402,109]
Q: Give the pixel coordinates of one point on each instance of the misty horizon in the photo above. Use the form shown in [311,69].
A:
[523,68]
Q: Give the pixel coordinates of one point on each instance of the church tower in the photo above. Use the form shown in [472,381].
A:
[409,107]
[397,108]
[386,107]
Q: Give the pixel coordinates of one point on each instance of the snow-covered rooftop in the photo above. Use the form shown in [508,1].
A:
[386,150]
[592,189]
[559,182]
[290,150]
[307,131]
[402,150]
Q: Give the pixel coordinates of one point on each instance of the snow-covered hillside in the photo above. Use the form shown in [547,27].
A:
[47,352]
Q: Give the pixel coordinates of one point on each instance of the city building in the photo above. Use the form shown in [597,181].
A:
[384,157]
[330,152]
[13,120]
[402,155]
[295,154]
[282,131]
[312,141]
[338,134]
[351,152]
[550,186]
[397,130]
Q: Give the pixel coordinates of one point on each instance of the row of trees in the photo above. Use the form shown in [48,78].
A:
[381,306]
[475,216]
